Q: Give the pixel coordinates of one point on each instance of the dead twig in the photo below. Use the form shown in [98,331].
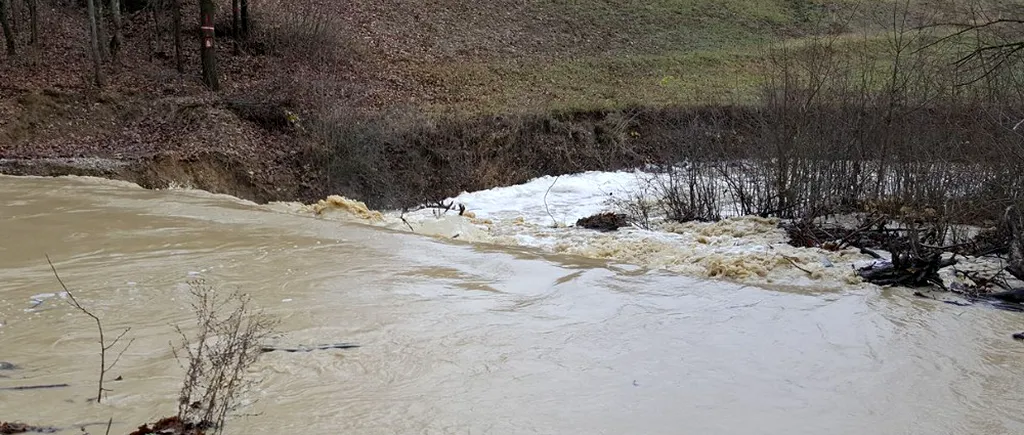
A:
[445,208]
[554,223]
[104,347]
[402,217]
[793,262]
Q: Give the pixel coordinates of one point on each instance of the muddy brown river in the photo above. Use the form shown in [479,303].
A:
[461,338]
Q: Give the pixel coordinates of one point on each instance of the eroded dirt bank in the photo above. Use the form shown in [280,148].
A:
[213,172]
[254,151]
[270,151]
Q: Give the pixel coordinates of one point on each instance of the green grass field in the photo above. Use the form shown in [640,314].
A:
[547,54]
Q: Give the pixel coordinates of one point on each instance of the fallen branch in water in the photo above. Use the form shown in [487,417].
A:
[402,216]
[104,347]
[793,262]
[440,205]
[309,348]
[907,270]
[33,387]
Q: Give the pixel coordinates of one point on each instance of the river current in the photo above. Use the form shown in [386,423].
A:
[466,336]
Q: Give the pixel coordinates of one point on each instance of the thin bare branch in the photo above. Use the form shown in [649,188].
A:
[965,28]
[118,358]
[553,221]
[104,347]
[118,338]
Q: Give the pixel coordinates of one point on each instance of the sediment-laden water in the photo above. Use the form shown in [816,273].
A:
[498,323]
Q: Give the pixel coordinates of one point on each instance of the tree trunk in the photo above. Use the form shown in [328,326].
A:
[207,10]
[176,23]
[101,30]
[236,32]
[1015,219]
[244,18]
[154,41]
[94,44]
[33,18]
[8,33]
[12,12]
[154,8]
[115,42]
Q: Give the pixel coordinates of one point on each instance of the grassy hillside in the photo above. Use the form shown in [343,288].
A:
[468,56]
[497,55]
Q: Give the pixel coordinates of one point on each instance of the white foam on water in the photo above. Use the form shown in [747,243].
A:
[541,214]
[546,200]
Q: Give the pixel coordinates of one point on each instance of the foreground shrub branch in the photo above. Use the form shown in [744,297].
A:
[218,356]
[104,346]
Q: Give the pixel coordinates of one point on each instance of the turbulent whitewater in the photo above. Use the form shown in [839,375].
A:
[541,213]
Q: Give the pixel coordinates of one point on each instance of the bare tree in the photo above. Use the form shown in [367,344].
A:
[6,23]
[101,30]
[104,347]
[156,40]
[207,10]
[94,44]
[115,42]
[244,18]
[14,14]
[176,23]
[33,18]
[235,30]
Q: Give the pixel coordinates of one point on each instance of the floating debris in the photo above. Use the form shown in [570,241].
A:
[603,222]
[308,348]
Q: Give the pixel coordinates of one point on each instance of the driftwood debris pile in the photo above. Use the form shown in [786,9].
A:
[603,222]
[917,252]
[907,270]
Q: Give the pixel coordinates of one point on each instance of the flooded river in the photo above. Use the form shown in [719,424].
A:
[469,338]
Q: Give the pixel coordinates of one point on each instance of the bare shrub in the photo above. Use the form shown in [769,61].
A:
[226,343]
[311,31]
[690,193]
[639,206]
[356,154]
[888,128]
[272,115]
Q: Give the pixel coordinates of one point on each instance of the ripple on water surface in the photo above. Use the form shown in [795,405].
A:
[474,338]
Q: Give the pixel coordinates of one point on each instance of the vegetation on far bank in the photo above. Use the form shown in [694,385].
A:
[395,103]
